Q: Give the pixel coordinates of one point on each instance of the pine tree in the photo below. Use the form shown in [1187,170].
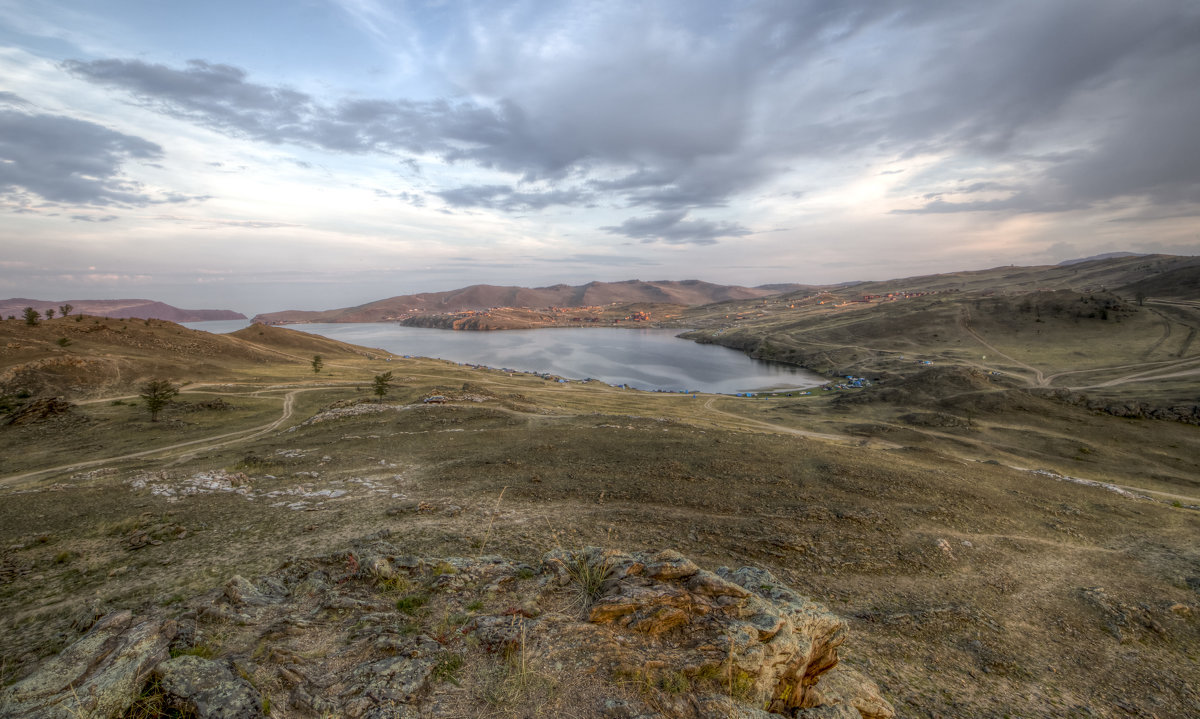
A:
[157,394]
[381,384]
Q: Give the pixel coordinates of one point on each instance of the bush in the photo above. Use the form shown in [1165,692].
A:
[411,603]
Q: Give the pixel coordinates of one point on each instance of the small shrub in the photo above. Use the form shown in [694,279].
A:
[740,684]
[394,584]
[62,341]
[446,668]
[589,578]
[253,463]
[151,703]
[411,603]
[674,683]
[475,605]
[123,526]
[203,651]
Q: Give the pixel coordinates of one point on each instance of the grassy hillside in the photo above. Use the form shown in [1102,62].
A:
[80,357]
[1072,327]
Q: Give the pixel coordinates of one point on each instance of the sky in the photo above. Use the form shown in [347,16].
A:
[311,154]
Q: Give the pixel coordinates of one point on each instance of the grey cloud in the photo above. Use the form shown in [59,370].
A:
[67,160]
[593,260]
[94,218]
[503,197]
[206,223]
[412,198]
[1018,203]
[984,186]
[673,227]
[679,106]
[12,99]
[220,97]
[1112,85]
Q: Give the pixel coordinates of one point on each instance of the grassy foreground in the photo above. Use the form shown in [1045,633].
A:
[973,587]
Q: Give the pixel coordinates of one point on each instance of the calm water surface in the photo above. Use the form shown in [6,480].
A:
[648,359]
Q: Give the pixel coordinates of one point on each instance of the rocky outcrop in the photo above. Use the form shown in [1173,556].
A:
[40,410]
[98,676]
[741,625]
[373,632]
[1187,413]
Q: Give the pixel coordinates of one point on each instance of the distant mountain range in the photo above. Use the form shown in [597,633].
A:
[142,309]
[482,297]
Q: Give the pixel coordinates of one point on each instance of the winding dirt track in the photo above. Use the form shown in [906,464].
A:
[206,443]
[1150,371]
[964,322]
[867,442]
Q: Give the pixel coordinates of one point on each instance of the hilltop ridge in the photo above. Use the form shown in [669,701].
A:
[80,357]
[135,308]
[483,297]
[509,307]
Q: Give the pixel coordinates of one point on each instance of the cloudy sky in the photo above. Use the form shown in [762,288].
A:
[307,154]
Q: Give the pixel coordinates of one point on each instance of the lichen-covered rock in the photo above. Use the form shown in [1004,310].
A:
[372,632]
[744,625]
[828,711]
[845,685]
[100,675]
[243,592]
[208,689]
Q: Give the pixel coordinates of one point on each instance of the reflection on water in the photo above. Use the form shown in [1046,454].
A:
[645,359]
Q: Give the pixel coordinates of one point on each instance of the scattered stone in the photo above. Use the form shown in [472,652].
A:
[154,535]
[1122,619]
[207,689]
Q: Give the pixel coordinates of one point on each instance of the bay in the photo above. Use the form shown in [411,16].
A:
[647,359]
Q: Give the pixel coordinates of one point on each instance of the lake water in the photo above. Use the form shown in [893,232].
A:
[649,359]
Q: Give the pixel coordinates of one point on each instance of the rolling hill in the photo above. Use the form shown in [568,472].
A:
[81,357]
[141,309]
[481,297]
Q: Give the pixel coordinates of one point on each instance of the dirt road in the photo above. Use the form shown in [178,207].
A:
[198,445]
[845,439]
